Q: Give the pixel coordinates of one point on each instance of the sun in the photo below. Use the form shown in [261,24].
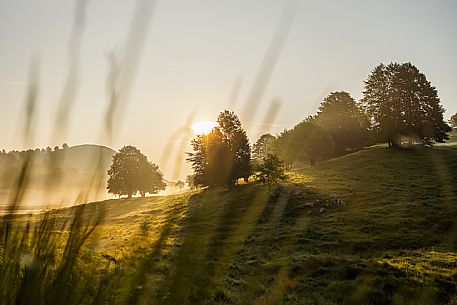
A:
[203,127]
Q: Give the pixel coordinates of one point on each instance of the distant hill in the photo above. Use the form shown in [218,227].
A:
[86,158]
[60,176]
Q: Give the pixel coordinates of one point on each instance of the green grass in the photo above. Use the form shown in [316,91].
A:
[393,242]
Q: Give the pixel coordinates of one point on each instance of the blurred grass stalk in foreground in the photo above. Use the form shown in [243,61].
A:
[39,254]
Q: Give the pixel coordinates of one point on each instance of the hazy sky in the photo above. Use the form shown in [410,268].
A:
[195,50]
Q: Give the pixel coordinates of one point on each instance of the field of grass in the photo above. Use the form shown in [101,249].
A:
[391,240]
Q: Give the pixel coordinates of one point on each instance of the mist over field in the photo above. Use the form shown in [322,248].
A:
[228,152]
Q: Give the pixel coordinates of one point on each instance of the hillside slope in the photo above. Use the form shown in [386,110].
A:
[390,239]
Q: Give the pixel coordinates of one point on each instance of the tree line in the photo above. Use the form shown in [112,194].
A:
[399,107]
[31,153]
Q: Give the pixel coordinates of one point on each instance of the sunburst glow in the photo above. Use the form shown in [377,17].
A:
[203,127]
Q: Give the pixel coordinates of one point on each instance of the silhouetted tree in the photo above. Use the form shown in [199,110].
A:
[348,125]
[401,102]
[190,182]
[306,141]
[179,184]
[270,170]
[48,149]
[65,146]
[282,147]
[317,142]
[453,120]
[222,156]
[263,147]
[56,148]
[150,179]
[131,172]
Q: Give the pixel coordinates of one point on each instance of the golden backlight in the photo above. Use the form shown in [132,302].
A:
[203,127]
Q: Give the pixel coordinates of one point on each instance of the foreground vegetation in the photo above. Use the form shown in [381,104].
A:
[373,227]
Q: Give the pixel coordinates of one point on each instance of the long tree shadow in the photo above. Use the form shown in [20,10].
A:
[132,286]
[218,223]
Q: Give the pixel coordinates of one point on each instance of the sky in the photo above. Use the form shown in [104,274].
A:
[196,52]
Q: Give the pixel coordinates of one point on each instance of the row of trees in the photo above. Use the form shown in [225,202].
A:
[37,152]
[399,105]
[339,126]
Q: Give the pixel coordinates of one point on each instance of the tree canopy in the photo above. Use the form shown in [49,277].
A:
[222,156]
[348,125]
[131,172]
[263,147]
[270,170]
[402,103]
[306,141]
[453,120]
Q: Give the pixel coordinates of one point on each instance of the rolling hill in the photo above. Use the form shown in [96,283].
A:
[374,227]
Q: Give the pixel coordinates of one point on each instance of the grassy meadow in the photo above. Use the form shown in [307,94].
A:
[391,239]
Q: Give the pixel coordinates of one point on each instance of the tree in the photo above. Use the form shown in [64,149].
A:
[179,184]
[150,178]
[270,170]
[340,115]
[56,148]
[263,147]
[306,141]
[65,146]
[313,141]
[131,172]
[222,156]
[283,148]
[401,103]
[453,120]
[190,182]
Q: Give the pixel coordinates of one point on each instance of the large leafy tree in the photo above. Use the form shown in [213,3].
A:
[131,172]
[344,120]
[222,156]
[313,141]
[307,141]
[150,179]
[402,103]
